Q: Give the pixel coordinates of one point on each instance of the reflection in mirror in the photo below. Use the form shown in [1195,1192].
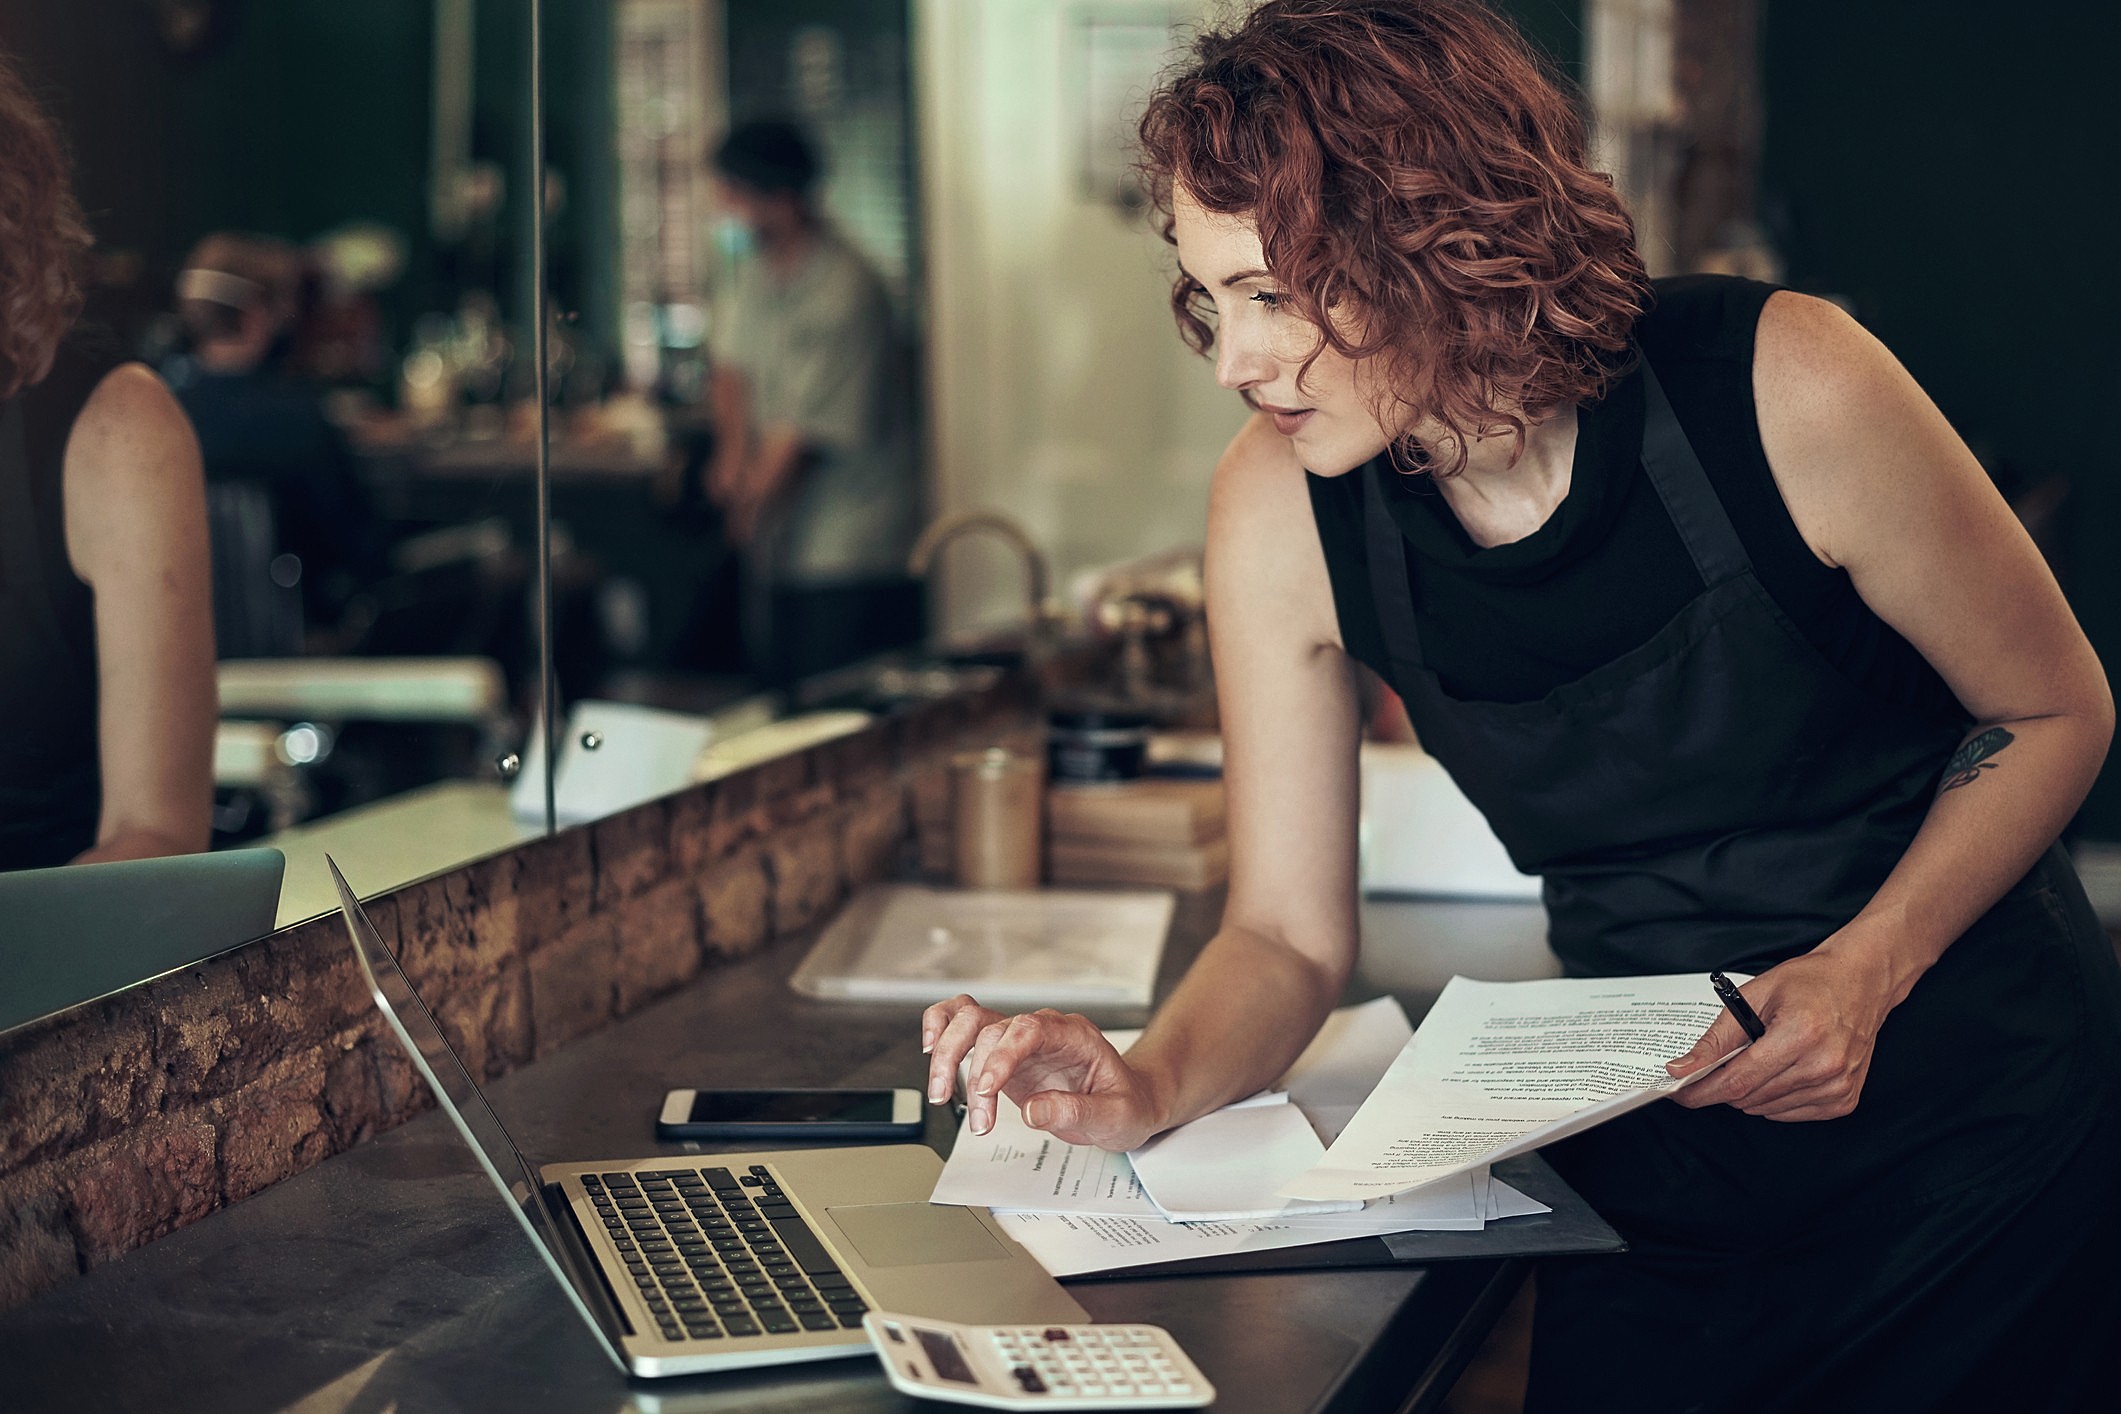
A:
[306,252]
[735,486]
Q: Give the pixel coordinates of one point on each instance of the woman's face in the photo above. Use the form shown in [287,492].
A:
[1260,347]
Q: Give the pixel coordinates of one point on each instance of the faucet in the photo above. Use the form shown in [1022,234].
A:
[940,532]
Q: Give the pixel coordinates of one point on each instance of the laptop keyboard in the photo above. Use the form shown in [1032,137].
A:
[717,1253]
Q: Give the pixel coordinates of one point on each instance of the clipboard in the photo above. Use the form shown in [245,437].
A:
[1571,1229]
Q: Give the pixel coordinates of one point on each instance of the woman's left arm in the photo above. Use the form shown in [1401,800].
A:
[136,533]
[1880,485]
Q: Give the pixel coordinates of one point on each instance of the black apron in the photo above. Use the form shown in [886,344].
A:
[51,791]
[1724,797]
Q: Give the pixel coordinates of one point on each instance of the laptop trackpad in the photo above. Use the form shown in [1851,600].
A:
[916,1234]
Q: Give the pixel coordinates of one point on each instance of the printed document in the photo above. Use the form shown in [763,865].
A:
[1500,1068]
[1015,1166]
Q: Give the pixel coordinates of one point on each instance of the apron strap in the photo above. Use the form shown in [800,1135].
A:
[1673,468]
[1689,499]
[21,558]
[1389,587]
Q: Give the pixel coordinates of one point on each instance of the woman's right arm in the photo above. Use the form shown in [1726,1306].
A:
[1262,987]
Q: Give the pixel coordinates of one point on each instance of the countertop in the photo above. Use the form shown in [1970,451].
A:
[390,1278]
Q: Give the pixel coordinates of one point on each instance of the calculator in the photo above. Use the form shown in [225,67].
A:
[1037,1367]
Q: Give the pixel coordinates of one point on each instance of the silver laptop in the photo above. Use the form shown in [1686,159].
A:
[720,1261]
[83,931]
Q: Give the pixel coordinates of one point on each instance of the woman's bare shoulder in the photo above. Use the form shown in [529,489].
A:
[131,426]
[1262,547]
[1829,397]
[132,463]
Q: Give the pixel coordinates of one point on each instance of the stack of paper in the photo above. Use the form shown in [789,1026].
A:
[1214,1186]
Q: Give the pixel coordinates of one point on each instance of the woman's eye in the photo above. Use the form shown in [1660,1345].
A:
[1267,298]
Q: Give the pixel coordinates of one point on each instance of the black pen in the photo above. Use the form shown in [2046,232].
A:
[1738,1006]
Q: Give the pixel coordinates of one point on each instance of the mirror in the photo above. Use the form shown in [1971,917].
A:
[314,223]
[736,279]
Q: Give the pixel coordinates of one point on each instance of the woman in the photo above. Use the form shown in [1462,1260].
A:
[1701,601]
[106,636]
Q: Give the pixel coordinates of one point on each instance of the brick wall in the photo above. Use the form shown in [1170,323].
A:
[124,1120]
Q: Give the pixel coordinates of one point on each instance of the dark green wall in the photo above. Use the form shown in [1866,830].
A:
[297,117]
[1949,168]
[1556,26]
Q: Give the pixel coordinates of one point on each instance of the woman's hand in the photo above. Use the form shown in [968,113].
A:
[1059,1068]
[1822,1012]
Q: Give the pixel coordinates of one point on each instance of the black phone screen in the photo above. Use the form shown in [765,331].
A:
[791,1107]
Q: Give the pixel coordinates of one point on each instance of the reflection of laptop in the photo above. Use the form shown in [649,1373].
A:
[83,931]
[717,1261]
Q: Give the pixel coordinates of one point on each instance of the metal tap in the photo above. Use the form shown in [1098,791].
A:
[942,531]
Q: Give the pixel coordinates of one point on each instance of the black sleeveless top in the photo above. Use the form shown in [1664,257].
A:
[1509,623]
[51,792]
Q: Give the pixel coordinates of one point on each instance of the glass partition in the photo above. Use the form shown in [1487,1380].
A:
[734,272]
[315,222]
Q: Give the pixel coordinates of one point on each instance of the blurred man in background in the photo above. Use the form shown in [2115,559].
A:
[813,465]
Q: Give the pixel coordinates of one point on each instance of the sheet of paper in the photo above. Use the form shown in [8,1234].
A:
[1230,1165]
[1071,1244]
[642,753]
[1500,1068]
[1347,1059]
[1015,1166]
[1506,1202]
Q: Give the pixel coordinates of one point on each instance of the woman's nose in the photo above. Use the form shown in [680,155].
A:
[1240,365]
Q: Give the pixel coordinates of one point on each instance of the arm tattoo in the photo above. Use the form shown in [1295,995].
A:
[1971,759]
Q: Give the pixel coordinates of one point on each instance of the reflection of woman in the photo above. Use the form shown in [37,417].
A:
[266,434]
[106,638]
[1707,609]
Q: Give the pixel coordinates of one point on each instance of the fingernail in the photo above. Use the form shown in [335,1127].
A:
[1036,1113]
[981,1124]
[986,1084]
[937,1094]
[927,1046]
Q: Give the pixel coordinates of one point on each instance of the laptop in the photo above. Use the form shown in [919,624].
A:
[723,1261]
[84,931]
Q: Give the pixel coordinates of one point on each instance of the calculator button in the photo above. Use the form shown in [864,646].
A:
[1028,1378]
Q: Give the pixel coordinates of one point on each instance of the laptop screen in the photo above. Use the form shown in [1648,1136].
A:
[459,1096]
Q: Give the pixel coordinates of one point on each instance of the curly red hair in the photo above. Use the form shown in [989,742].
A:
[41,231]
[1415,169]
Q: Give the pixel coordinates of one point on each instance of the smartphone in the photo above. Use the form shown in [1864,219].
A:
[791,1114]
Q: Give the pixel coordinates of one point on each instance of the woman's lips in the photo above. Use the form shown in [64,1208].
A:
[1287,421]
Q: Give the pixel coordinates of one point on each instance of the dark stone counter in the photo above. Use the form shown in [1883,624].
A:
[389,1277]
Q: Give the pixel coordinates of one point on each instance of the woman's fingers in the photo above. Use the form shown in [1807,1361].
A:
[1047,1037]
[982,1093]
[1724,1036]
[958,1021]
[1018,1055]
[1737,1078]
[1811,1096]
[1077,1117]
